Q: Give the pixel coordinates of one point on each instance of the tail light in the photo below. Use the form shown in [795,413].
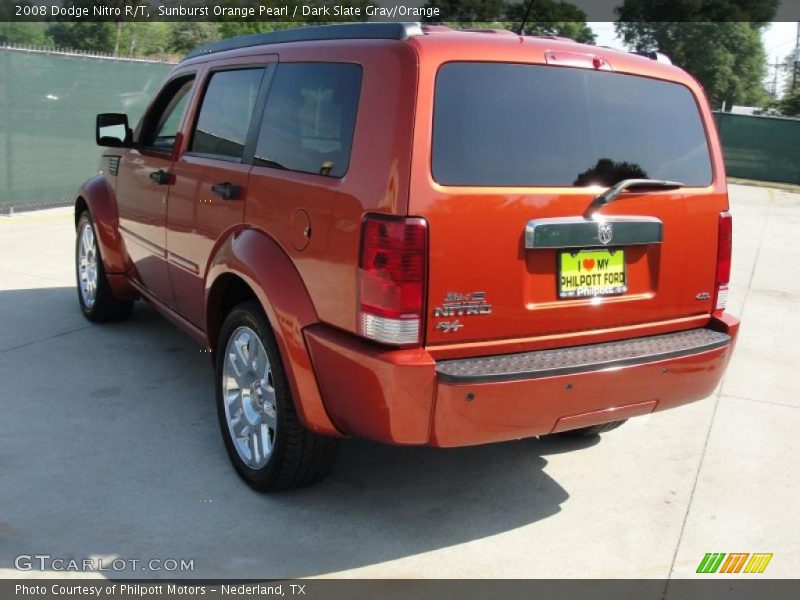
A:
[392,279]
[724,244]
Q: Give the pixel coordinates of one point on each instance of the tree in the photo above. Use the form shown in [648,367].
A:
[752,11]
[553,17]
[80,35]
[144,38]
[547,17]
[236,26]
[83,35]
[788,106]
[717,41]
[186,36]
[31,34]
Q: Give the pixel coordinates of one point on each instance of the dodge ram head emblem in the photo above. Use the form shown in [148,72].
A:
[604,232]
[457,304]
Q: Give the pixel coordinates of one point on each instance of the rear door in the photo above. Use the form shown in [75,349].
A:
[518,153]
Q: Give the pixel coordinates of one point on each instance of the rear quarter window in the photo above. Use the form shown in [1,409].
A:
[499,124]
[309,118]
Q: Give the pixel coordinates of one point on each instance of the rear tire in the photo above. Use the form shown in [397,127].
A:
[592,430]
[97,302]
[266,442]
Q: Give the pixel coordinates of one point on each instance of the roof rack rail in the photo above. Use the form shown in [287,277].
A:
[345,31]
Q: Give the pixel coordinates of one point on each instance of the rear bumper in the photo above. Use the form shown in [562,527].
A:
[405,397]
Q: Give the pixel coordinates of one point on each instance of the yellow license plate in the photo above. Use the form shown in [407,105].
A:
[587,273]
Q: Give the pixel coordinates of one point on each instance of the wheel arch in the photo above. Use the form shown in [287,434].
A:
[97,197]
[250,264]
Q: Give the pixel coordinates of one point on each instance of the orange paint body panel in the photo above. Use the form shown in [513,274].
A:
[394,396]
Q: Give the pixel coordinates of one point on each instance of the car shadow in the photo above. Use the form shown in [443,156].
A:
[109,448]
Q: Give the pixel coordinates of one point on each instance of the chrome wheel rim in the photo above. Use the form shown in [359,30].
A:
[249,396]
[87,265]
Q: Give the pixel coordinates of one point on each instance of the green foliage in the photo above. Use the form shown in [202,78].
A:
[788,106]
[753,11]
[553,17]
[80,35]
[186,36]
[32,34]
[717,41]
[547,17]
[233,27]
[144,38]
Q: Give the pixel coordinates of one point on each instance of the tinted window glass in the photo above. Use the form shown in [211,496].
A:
[226,112]
[521,125]
[164,121]
[309,118]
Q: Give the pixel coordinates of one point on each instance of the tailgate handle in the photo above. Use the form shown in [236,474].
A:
[577,232]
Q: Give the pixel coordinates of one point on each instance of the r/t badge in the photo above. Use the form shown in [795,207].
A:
[449,326]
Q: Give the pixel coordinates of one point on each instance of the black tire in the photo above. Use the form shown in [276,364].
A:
[593,430]
[105,306]
[299,457]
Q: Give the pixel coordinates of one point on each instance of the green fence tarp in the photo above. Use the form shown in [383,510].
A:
[762,148]
[48,104]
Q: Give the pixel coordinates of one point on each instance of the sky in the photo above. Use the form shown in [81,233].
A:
[779,40]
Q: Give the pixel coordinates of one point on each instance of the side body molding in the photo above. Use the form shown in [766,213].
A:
[258,260]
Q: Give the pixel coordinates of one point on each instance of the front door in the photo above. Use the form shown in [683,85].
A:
[144,182]
[210,186]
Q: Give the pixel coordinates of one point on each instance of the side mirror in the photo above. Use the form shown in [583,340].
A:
[112,130]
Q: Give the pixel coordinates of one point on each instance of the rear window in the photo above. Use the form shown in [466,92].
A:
[499,124]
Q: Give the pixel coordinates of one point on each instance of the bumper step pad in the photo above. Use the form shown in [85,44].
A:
[580,359]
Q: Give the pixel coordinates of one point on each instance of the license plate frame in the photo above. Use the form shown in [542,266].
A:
[599,290]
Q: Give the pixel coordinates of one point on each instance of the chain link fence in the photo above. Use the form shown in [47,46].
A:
[762,148]
[48,103]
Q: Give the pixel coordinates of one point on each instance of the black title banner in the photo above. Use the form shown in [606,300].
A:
[325,11]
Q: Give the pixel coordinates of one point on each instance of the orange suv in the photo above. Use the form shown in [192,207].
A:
[418,236]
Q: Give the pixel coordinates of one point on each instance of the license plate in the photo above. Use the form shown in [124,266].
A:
[588,273]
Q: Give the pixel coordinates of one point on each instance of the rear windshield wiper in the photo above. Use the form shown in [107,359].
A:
[611,193]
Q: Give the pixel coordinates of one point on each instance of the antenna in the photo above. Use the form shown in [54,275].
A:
[525,18]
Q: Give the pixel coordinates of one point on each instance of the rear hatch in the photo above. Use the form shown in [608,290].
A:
[518,154]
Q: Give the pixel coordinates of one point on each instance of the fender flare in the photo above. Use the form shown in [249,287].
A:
[97,196]
[258,260]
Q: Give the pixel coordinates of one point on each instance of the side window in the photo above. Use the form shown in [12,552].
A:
[309,118]
[164,120]
[225,114]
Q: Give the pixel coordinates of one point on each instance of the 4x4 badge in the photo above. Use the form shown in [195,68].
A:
[604,232]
